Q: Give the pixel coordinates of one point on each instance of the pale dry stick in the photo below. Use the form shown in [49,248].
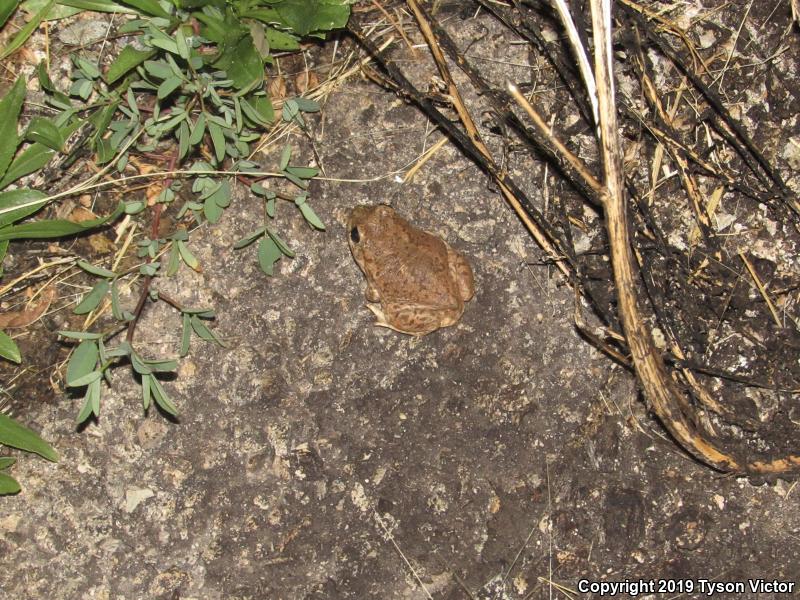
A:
[575,162]
[472,132]
[658,386]
[425,157]
[35,270]
[121,254]
[397,27]
[580,53]
[761,289]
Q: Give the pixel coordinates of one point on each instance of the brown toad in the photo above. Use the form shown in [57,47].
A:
[416,281]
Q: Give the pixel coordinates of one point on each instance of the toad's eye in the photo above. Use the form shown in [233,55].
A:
[354,235]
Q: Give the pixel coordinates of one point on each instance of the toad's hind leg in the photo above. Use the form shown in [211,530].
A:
[411,320]
[461,273]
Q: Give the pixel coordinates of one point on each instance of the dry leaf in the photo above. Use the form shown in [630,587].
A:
[305,81]
[28,315]
[79,214]
[277,88]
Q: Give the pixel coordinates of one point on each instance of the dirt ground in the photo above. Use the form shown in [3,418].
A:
[319,456]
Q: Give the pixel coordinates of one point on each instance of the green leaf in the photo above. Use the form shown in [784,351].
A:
[204,332]
[250,238]
[99,271]
[149,7]
[252,114]
[45,132]
[9,349]
[139,365]
[18,436]
[81,88]
[9,113]
[282,246]
[87,379]
[86,409]
[94,396]
[56,227]
[101,119]
[268,255]
[198,130]
[33,158]
[263,106]
[290,111]
[221,195]
[183,140]
[161,397]
[82,362]
[24,33]
[307,104]
[218,138]
[301,183]
[281,40]
[93,298]
[307,16]
[99,6]
[186,335]
[81,335]
[267,15]
[128,59]
[168,86]
[7,8]
[187,256]
[310,216]
[134,207]
[162,365]
[243,64]
[6,461]
[18,204]
[174,262]
[56,13]
[90,70]
[158,68]
[149,269]
[212,210]
[285,156]
[146,391]
[8,485]
[303,172]
[183,46]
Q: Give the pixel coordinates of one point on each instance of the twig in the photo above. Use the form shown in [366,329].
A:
[761,289]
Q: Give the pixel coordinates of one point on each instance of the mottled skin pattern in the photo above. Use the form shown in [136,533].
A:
[416,281]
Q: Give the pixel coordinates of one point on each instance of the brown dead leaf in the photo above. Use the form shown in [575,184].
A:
[153,192]
[29,314]
[277,88]
[307,80]
[79,214]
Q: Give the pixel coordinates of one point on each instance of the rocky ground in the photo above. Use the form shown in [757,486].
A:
[321,457]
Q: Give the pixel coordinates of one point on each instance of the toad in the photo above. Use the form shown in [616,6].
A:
[416,283]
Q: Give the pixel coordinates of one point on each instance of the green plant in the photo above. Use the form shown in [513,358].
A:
[189,91]
[17,436]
